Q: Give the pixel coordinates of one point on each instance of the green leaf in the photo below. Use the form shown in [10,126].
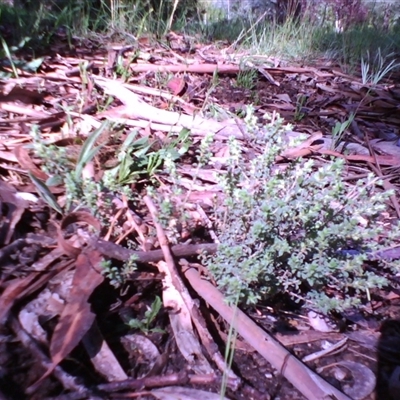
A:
[33,65]
[152,313]
[135,324]
[129,140]
[54,180]
[10,59]
[87,151]
[45,193]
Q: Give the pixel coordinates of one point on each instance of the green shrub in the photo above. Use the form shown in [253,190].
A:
[297,229]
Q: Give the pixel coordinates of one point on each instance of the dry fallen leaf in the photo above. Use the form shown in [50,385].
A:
[15,206]
[77,317]
[177,86]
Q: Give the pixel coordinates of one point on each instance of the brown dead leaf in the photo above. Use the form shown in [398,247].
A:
[386,147]
[79,216]
[15,206]
[284,97]
[382,160]
[25,161]
[268,76]
[19,288]
[309,146]
[8,156]
[17,93]
[392,296]
[177,86]
[77,317]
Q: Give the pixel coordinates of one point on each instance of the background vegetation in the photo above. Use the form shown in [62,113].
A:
[341,30]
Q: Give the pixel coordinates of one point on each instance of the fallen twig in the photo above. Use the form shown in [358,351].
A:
[311,385]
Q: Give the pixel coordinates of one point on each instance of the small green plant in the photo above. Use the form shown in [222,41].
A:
[292,229]
[339,130]
[299,113]
[171,215]
[64,168]
[145,324]
[374,70]
[213,85]
[16,63]
[119,275]
[136,157]
[229,349]
[9,57]
[122,67]
[246,79]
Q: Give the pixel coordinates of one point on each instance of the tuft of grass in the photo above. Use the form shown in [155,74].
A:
[339,130]
[374,69]
[38,23]
[350,46]
[246,79]
[289,41]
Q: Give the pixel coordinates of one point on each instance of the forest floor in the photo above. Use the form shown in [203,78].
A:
[64,326]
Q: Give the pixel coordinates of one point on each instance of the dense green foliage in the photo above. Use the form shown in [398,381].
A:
[297,229]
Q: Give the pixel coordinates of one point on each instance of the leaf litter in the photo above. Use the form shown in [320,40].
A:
[58,309]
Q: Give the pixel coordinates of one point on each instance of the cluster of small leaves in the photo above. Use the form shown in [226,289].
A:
[135,159]
[172,215]
[145,324]
[62,168]
[296,229]
[119,275]
[56,157]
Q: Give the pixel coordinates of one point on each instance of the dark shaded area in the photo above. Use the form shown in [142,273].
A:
[388,367]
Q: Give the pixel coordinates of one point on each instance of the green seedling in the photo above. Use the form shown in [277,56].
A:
[339,130]
[299,113]
[214,83]
[246,79]
[145,324]
[9,57]
[88,151]
[118,276]
[137,159]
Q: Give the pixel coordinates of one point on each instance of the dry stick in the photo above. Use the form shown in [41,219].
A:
[311,385]
[135,107]
[178,379]
[209,343]
[121,253]
[112,250]
[194,313]
[322,353]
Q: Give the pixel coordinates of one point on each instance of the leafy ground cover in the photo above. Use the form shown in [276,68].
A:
[125,169]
